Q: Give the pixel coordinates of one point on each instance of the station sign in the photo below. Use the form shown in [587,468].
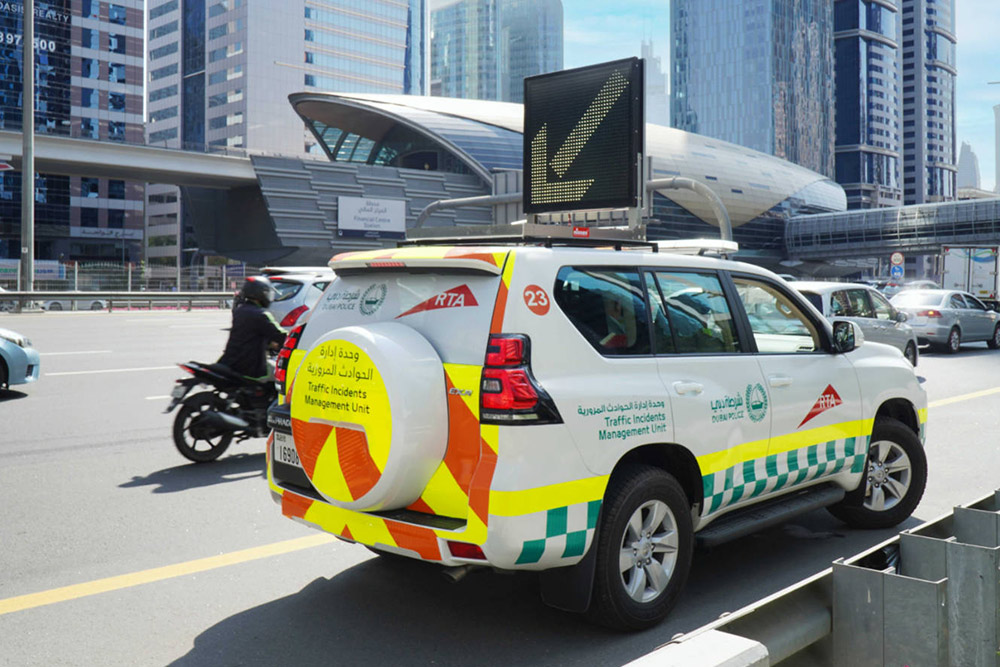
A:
[584,133]
[371,218]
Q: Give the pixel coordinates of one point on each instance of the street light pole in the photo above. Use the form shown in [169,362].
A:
[28,148]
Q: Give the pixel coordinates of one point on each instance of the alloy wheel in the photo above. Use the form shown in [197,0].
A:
[649,550]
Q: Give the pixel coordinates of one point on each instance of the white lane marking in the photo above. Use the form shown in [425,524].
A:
[115,370]
[195,326]
[62,354]
[157,398]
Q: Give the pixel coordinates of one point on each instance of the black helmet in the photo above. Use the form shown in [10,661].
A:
[258,290]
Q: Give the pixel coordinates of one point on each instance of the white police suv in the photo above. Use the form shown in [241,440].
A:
[589,413]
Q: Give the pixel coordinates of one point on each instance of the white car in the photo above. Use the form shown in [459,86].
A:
[82,303]
[586,413]
[879,320]
[296,291]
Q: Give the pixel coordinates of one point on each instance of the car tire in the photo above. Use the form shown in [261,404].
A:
[911,353]
[96,306]
[645,524]
[994,342]
[55,306]
[954,342]
[3,375]
[896,466]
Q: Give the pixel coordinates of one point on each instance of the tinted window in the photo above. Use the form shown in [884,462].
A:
[905,299]
[883,309]
[859,304]
[606,306]
[777,323]
[815,299]
[285,289]
[840,304]
[956,301]
[699,317]
[974,303]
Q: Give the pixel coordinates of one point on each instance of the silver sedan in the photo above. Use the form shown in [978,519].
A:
[948,318]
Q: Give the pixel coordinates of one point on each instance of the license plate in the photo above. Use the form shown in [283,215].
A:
[179,391]
[284,450]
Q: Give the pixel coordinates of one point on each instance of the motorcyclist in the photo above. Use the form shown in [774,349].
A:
[254,330]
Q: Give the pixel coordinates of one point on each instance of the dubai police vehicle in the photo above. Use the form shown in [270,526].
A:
[588,413]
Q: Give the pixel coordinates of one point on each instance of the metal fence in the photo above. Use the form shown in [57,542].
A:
[127,277]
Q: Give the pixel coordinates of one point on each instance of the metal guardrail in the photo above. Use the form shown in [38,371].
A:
[23,300]
[928,596]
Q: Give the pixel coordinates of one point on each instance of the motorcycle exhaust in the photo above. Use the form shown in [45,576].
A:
[220,421]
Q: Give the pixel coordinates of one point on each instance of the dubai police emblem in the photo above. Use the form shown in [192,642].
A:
[756,402]
[372,299]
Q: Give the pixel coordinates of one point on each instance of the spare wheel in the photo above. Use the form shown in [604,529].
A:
[370,415]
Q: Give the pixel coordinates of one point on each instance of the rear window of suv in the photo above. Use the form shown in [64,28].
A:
[606,306]
[285,289]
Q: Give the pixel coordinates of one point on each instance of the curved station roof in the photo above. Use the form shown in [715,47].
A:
[477,137]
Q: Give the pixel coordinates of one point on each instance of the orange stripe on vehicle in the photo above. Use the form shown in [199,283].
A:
[473,253]
[420,506]
[347,533]
[415,538]
[496,325]
[295,506]
[309,439]
[479,490]
[356,463]
[463,440]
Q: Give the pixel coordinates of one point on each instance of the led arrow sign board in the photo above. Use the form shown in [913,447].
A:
[583,136]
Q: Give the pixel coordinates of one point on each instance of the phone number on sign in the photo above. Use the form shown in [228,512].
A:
[11,39]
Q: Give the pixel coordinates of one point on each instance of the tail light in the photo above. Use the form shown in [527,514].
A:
[281,365]
[509,394]
[293,316]
[929,313]
[466,550]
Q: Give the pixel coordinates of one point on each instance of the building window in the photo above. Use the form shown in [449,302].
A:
[89,128]
[116,131]
[162,72]
[163,93]
[117,14]
[88,38]
[165,8]
[89,187]
[163,114]
[116,43]
[216,55]
[88,98]
[163,51]
[116,72]
[116,101]
[116,189]
[116,218]
[162,30]
[91,9]
[89,68]
[163,135]
[88,217]
[218,31]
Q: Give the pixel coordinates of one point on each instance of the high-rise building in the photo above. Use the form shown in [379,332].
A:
[89,77]
[868,102]
[483,49]
[757,73]
[657,97]
[928,34]
[968,168]
[221,71]
[996,150]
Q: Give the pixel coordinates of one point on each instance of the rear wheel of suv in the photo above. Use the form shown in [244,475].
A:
[644,546]
[895,476]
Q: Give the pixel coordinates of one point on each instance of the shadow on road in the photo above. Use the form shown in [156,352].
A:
[193,475]
[9,395]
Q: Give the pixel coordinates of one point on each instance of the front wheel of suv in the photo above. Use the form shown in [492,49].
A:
[895,476]
[644,545]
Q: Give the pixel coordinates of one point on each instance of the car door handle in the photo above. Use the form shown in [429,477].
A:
[688,388]
[779,380]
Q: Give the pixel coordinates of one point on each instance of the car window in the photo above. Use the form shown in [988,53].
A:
[974,303]
[606,306]
[883,309]
[956,301]
[320,286]
[909,299]
[663,338]
[860,306]
[285,289]
[777,323]
[695,306]
[815,299]
[840,304]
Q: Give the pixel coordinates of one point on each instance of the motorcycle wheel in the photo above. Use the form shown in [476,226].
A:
[195,442]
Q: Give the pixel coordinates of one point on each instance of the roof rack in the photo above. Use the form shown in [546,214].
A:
[719,247]
[530,233]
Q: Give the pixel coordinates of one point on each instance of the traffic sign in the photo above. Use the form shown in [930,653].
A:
[896,272]
[583,134]
[896,258]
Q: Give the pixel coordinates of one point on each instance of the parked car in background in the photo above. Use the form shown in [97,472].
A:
[19,362]
[88,303]
[296,291]
[880,321]
[947,318]
[6,305]
[921,284]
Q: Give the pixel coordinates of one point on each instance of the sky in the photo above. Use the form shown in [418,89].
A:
[600,30]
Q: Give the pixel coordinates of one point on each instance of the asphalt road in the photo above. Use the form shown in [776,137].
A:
[115,551]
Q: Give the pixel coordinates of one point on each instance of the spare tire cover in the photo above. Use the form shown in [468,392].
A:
[370,415]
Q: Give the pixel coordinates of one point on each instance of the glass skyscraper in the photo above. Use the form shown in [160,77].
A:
[758,73]
[88,84]
[929,151]
[483,49]
[221,71]
[868,103]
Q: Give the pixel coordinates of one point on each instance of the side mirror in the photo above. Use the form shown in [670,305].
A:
[847,336]
[901,316]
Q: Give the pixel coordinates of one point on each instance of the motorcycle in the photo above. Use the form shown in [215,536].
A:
[233,407]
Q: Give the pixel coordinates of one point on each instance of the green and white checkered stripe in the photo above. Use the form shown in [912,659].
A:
[567,531]
[750,479]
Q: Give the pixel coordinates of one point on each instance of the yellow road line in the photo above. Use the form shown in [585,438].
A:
[964,397]
[88,588]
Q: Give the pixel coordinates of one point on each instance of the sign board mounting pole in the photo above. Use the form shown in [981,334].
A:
[28,147]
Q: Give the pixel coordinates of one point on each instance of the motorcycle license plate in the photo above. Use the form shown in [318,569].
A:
[178,391]
[284,450]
